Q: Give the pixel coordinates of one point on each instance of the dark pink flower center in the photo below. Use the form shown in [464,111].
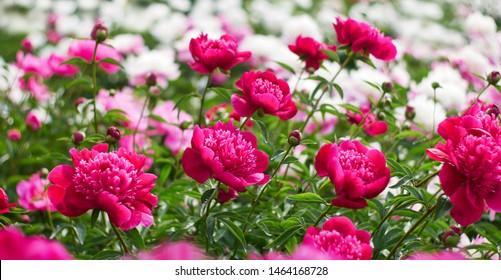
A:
[348,247]
[106,172]
[216,45]
[357,163]
[478,159]
[236,154]
[263,86]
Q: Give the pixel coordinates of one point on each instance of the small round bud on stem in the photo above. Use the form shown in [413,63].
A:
[410,112]
[113,134]
[493,78]
[294,138]
[151,79]
[99,32]
[387,87]
[494,110]
[435,85]
[77,137]
[451,237]
[27,46]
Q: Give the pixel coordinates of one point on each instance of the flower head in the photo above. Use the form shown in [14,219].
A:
[85,50]
[310,50]
[371,125]
[228,155]
[4,202]
[471,174]
[263,90]
[32,121]
[362,37]
[14,134]
[16,246]
[112,182]
[340,238]
[32,195]
[357,172]
[210,54]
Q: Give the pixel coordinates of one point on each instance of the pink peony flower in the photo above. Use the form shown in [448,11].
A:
[35,86]
[362,37]
[173,251]
[85,50]
[32,122]
[210,54]
[15,246]
[32,194]
[228,155]
[112,182]
[142,142]
[440,256]
[372,125]
[55,63]
[14,134]
[309,50]
[31,64]
[358,173]
[4,202]
[302,252]
[471,174]
[339,238]
[263,90]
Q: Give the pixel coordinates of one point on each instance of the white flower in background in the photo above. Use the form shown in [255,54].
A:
[300,25]
[88,5]
[424,108]
[180,5]
[478,24]
[359,89]
[422,9]
[379,14]
[128,43]
[453,88]
[160,62]
[169,29]
[75,25]
[272,16]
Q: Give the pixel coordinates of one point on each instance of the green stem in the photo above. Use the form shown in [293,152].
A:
[49,214]
[243,123]
[361,123]
[385,217]
[122,242]
[94,84]
[297,82]
[420,183]
[310,115]
[206,215]
[322,215]
[139,121]
[411,230]
[200,114]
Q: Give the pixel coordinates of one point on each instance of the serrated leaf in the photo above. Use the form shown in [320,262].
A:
[307,198]
[286,67]
[235,231]
[110,60]
[136,239]
[284,236]
[107,255]
[76,61]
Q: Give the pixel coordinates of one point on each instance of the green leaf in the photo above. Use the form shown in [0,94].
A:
[367,61]
[93,219]
[59,228]
[229,215]
[235,231]
[290,159]
[135,238]
[333,56]
[443,207]
[351,108]
[80,232]
[308,142]
[276,154]
[184,99]
[264,130]
[286,67]
[80,81]
[206,195]
[373,85]
[307,198]
[76,61]
[223,92]
[107,255]
[409,134]
[211,224]
[110,60]
[157,118]
[339,90]
[284,236]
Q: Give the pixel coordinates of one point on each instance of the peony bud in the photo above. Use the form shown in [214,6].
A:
[99,32]
[26,45]
[151,79]
[14,134]
[113,134]
[493,110]
[410,112]
[435,85]
[32,122]
[294,138]
[387,87]
[80,100]
[451,237]
[77,137]
[493,78]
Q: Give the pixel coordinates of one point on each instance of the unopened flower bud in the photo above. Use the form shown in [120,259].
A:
[387,100]
[294,138]
[387,87]
[77,137]
[14,134]
[435,85]
[410,112]
[151,79]
[493,78]
[113,134]
[32,122]
[381,116]
[26,45]
[80,100]
[451,237]
[494,110]
[99,32]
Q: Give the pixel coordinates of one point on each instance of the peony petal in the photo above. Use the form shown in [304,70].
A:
[341,224]
[494,200]
[267,101]
[223,196]
[342,201]
[194,167]
[119,214]
[450,179]
[462,211]
[322,159]
[61,175]
[231,181]
[242,106]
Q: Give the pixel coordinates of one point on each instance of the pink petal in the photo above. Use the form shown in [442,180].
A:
[61,175]
[462,211]
[194,167]
[494,200]
[119,214]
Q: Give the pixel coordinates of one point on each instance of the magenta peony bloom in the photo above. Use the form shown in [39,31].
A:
[112,182]
[309,50]
[371,125]
[357,172]
[55,63]
[340,238]
[263,90]
[228,155]
[31,64]
[85,50]
[210,54]
[440,256]
[471,174]
[32,194]
[35,86]
[4,202]
[32,122]
[302,252]
[362,37]
[15,246]
[14,134]
[173,251]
